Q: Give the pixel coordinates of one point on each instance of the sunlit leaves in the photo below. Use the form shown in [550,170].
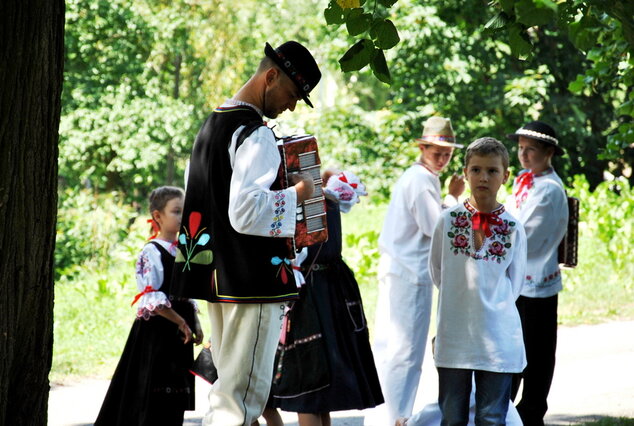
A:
[373,31]
[535,12]
[358,56]
[385,34]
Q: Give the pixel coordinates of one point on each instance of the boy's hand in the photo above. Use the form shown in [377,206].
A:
[456,186]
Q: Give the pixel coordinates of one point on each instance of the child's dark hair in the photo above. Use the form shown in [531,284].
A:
[161,196]
[487,146]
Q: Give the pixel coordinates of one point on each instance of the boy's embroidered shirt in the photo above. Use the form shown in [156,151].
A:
[478,324]
[496,228]
[409,222]
[543,210]
[254,208]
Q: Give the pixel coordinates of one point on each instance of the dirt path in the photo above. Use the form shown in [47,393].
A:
[594,379]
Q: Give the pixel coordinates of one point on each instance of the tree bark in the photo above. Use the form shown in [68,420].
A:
[31,65]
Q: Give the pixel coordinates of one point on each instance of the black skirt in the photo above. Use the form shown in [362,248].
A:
[326,363]
[152,383]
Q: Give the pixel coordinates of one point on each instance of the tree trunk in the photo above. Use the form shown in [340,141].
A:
[31,64]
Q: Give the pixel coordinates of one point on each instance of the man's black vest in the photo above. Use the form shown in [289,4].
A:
[214,262]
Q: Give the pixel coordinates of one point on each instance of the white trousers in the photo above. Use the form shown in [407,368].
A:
[243,340]
[402,324]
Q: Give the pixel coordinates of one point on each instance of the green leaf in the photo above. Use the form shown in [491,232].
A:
[578,85]
[358,56]
[518,40]
[358,22]
[379,67]
[334,14]
[385,34]
[205,257]
[507,5]
[498,21]
[387,3]
[582,33]
[535,12]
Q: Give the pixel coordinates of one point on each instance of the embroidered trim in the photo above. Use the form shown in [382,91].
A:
[462,237]
[545,281]
[524,182]
[532,133]
[279,214]
[149,310]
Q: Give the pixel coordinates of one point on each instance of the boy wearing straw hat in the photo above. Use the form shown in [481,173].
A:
[405,287]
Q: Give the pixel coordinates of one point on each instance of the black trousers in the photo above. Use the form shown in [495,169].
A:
[539,325]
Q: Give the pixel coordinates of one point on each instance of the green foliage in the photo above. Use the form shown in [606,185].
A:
[92,299]
[372,30]
[125,143]
[601,286]
[89,228]
[604,32]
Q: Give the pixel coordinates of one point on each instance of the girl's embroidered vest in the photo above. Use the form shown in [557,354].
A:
[215,262]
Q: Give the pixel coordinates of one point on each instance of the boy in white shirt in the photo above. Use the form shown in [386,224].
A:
[405,290]
[539,201]
[478,261]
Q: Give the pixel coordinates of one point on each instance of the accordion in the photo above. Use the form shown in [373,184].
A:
[299,154]
[567,252]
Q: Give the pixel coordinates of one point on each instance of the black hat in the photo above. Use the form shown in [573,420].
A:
[540,131]
[297,62]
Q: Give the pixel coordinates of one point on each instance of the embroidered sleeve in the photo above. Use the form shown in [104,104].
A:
[254,208]
[517,268]
[149,278]
[545,217]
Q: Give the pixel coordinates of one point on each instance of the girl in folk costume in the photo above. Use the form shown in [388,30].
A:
[539,201]
[324,361]
[152,384]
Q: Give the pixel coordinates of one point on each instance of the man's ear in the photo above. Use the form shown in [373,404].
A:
[271,75]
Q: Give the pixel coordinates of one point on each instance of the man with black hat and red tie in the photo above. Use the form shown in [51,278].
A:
[539,201]
[234,231]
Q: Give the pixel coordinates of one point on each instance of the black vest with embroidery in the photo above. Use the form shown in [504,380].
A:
[214,262]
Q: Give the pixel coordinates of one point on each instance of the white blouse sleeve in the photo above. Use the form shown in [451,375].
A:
[254,208]
[435,253]
[517,268]
[545,218]
[149,279]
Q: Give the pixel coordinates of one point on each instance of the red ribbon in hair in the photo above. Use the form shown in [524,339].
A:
[146,290]
[155,228]
[481,221]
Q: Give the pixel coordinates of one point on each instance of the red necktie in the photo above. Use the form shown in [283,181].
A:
[481,221]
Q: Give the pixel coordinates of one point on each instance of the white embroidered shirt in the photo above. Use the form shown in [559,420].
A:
[478,324]
[543,211]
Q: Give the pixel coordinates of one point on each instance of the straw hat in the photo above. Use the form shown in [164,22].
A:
[539,131]
[438,131]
